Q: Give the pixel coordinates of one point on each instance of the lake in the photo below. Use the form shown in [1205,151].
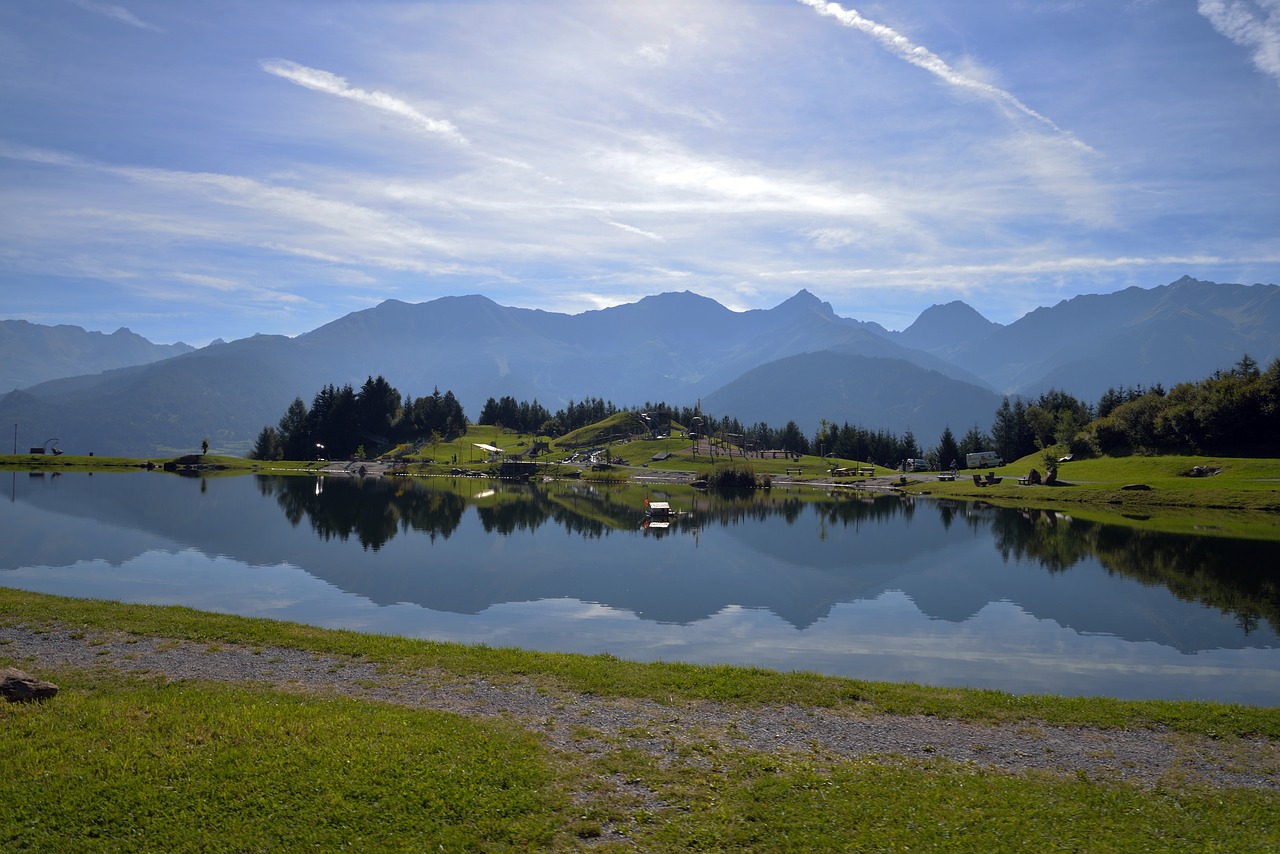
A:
[877,587]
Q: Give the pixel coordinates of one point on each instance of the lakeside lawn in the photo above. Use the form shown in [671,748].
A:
[1241,499]
[134,763]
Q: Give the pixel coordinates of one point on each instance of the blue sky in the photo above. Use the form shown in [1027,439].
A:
[203,170]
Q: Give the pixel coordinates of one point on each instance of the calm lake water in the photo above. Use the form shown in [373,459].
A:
[872,587]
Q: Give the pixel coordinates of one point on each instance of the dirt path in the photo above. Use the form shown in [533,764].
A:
[1143,757]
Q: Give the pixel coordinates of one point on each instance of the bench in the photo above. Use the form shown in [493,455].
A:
[1024,481]
[946,477]
[794,471]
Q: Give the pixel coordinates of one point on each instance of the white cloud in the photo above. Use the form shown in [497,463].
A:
[330,83]
[633,230]
[1252,24]
[709,119]
[118,13]
[1034,264]
[193,206]
[905,49]
[198,285]
[668,178]
[655,53]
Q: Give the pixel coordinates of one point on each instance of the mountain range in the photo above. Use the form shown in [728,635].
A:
[797,361]
[31,353]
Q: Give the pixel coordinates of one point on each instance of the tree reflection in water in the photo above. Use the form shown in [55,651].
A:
[1233,576]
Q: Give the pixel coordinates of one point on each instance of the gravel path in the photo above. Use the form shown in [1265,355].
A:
[1143,757]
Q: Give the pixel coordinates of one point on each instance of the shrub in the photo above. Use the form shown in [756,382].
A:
[729,475]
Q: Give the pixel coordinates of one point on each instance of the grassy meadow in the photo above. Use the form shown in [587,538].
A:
[136,763]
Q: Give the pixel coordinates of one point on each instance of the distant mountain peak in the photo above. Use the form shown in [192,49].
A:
[805,301]
[941,327]
[675,297]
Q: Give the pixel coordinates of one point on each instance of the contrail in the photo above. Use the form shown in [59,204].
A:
[905,49]
[325,81]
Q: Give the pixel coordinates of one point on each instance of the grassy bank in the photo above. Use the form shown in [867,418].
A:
[133,763]
[1241,498]
[607,676]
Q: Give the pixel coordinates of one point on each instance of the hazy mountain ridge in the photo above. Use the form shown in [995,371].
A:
[1169,334]
[797,361]
[31,353]
[890,394]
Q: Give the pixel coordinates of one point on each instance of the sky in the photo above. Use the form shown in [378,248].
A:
[195,171]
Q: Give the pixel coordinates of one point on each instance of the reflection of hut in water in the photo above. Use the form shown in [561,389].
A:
[655,527]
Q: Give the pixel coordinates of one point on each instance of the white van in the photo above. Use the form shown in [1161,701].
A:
[983,460]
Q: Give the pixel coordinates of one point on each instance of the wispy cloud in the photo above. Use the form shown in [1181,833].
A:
[930,276]
[332,84]
[1252,24]
[193,205]
[118,13]
[631,229]
[196,288]
[671,179]
[922,57]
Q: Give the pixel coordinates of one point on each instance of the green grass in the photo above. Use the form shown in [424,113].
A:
[135,765]
[608,676]
[1242,501]
[761,803]
[130,763]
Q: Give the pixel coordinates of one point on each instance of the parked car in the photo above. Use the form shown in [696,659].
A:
[983,459]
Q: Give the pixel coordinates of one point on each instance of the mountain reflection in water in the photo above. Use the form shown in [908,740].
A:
[478,548]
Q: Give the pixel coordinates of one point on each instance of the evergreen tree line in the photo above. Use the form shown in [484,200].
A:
[342,420]
[1232,411]
[533,417]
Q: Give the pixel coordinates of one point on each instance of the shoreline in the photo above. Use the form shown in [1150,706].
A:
[1140,756]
